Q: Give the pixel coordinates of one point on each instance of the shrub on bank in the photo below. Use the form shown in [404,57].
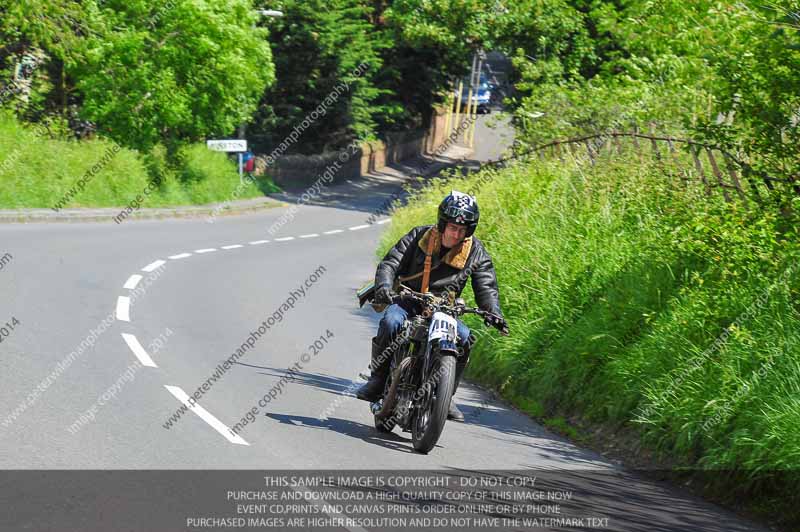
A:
[37,171]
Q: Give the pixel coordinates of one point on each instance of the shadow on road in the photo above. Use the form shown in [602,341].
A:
[367,433]
[334,385]
[502,423]
[374,193]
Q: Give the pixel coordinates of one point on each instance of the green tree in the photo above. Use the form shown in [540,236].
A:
[178,71]
[144,73]
[327,54]
[728,73]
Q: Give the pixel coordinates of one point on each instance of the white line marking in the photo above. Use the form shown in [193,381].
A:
[234,246]
[132,281]
[386,221]
[206,416]
[356,228]
[312,235]
[138,350]
[154,266]
[209,250]
[180,256]
[334,231]
[284,239]
[123,308]
[257,242]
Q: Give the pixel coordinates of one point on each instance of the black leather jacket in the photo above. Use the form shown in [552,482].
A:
[450,273]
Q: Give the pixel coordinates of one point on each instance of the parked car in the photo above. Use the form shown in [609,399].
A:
[483,96]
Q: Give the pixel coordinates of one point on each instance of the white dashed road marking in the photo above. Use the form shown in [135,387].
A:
[123,314]
[132,281]
[206,416]
[123,308]
[154,266]
[138,350]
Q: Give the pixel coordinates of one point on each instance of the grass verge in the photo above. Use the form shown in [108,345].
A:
[37,171]
[642,306]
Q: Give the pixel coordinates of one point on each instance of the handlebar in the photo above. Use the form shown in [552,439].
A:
[442,302]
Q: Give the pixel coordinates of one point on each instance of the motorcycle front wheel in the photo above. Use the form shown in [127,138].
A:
[434,404]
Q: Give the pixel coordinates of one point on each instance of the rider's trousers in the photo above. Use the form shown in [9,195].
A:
[392,322]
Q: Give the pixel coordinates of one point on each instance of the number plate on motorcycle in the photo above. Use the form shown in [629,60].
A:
[443,327]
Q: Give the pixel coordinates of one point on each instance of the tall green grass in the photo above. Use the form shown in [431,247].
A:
[38,171]
[617,281]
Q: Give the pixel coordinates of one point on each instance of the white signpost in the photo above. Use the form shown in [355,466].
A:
[230,146]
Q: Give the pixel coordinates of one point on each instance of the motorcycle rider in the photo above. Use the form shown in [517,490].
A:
[457,255]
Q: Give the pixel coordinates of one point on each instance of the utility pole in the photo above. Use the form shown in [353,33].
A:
[449,116]
[457,118]
[475,80]
[469,99]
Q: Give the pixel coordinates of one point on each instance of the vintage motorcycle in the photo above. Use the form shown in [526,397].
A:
[422,371]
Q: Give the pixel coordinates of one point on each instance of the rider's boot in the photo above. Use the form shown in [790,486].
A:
[453,412]
[373,389]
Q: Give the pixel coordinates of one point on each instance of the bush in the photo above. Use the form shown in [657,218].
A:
[206,175]
[39,171]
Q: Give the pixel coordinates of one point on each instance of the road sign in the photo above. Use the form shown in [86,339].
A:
[228,145]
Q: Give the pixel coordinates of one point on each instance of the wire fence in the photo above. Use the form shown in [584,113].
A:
[717,170]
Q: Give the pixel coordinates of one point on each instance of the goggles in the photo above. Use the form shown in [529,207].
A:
[456,213]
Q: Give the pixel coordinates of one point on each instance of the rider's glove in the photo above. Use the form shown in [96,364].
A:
[383,296]
[496,321]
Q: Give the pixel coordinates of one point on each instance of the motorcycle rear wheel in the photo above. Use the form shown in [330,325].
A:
[387,424]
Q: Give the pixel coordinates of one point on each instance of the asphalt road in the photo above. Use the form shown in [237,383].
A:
[106,405]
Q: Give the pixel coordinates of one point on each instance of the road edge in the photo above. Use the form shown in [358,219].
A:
[421,165]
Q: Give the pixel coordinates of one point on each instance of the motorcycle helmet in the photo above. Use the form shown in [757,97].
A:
[459,208]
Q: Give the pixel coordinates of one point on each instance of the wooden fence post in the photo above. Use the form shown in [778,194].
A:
[617,143]
[635,141]
[718,174]
[634,138]
[676,163]
[654,143]
[589,151]
[600,143]
[559,152]
[699,168]
[736,182]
